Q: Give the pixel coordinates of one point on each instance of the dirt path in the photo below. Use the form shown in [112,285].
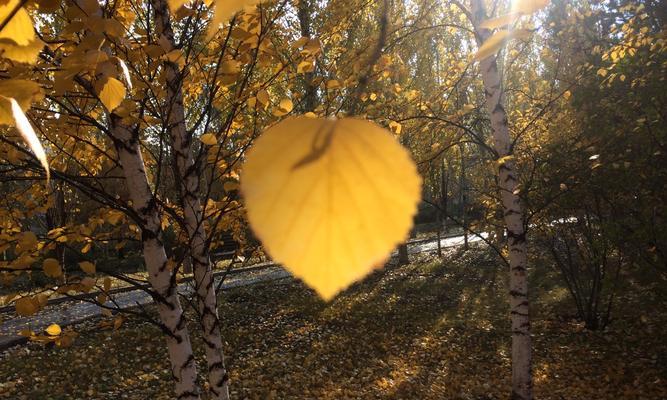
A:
[75,311]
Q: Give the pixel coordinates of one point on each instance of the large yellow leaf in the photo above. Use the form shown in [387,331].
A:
[111,92]
[497,40]
[19,29]
[329,198]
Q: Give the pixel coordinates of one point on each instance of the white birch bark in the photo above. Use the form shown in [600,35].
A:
[160,277]
[187,177]
[513,215]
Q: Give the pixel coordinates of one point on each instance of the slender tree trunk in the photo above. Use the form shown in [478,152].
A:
[513,214]
[187,177]
[184,370]
[444,189]
[499,228]
[464,198]
[163,281]
[444,200]
[403,254]
[56,216]
[310,91]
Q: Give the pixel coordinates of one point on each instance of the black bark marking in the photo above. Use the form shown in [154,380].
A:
[516,237]
[188,362]
[189,394]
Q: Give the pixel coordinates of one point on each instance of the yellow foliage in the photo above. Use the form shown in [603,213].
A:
[208,139]
[305,66]
[25,306]
[25,129]
[26,242]
[329,198]
[395,127]
[284,108]
[24,54]
[87,267]
[86,284]
[52,268]
[174,5]
[23,91]
[48,5]
[19,29]
[111,92]
[263,97]
[53,330]
[225,9]
[333,84]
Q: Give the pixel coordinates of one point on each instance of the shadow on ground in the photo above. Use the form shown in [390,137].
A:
[434,329]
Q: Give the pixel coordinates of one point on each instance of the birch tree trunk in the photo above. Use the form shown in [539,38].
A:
[304,12]
[444,200]
[187,178]
[444,190]
[184,370]
[163,281]
[403,254]
[513,214]
[463,196]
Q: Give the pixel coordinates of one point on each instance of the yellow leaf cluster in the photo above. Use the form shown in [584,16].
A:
[19,28]
[53,330]
[18,41]
[208,139]
[87,267]
[25,306]
[284,108]
[225,9]
[23,91]
[16,95]
[52,268]
[395,127]
[111,92]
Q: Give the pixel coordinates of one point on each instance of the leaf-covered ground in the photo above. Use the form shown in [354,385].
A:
[430,330]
